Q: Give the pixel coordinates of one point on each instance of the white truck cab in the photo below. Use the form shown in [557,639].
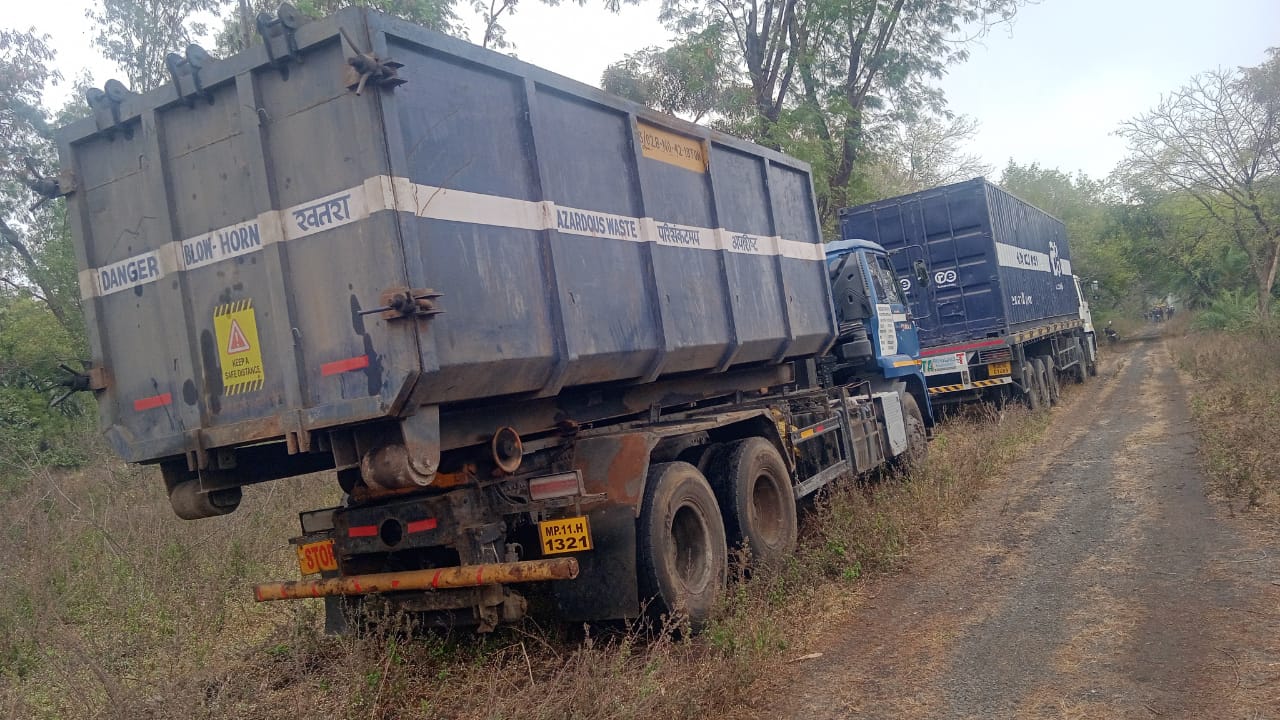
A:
[1091,342]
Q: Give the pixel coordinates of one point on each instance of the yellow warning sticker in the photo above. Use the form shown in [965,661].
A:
[238,347]
[663,145]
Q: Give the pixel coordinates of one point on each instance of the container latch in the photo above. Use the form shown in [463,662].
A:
[185,72]
[278,35]
[403,302]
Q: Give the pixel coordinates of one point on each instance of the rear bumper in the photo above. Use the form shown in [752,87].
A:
[464,576]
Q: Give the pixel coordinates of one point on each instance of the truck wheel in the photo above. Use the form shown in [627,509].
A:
[754,489]
[1078,372]
[1051,380]
[917,439]
[1031,385]
[683,555]
[1042,384]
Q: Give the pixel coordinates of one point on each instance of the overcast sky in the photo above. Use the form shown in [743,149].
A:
[1049,89]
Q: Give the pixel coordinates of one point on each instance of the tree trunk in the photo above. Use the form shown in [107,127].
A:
[1266,281]
[246,24]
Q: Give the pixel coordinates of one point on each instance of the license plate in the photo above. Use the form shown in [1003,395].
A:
[316,557]
[1000,368]
[563,536]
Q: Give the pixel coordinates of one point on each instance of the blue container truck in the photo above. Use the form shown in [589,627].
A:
[988,280]
[553,344]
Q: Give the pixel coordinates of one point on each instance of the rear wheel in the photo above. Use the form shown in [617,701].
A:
[1078,371]
[1051,380]
[1042,382]
[1031,391]
[683,555]
[753,486]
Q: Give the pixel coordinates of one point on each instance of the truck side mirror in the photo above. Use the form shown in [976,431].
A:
[922,273]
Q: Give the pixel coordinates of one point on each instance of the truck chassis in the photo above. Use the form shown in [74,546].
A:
[1028,364]
[598,521]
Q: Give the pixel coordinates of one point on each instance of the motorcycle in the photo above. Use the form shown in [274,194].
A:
[1112,336]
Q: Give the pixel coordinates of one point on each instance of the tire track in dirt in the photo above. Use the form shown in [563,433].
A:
[1096,580]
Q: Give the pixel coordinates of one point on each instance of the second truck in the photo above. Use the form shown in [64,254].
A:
[989,283]
[558,349]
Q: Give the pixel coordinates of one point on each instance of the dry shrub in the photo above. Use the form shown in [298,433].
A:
[1235,399]
[107,599]
[111,607]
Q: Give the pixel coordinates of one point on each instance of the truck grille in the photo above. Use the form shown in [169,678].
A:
[994,355]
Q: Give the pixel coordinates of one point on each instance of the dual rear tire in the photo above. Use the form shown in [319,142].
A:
[1040,383]
[689,521]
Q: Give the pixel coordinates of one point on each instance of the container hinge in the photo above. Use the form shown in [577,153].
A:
[105,104]
[402,302]
[185,72]
[278,36]
[364,68]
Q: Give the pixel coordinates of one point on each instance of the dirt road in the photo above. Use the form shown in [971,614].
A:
[1096,581]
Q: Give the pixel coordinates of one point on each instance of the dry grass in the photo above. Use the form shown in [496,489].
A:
[111,607]
[1235,399]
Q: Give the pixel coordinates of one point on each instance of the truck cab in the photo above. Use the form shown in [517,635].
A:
[1086,317]
[878,341]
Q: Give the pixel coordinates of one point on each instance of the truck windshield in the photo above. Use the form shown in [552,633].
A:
[883,280]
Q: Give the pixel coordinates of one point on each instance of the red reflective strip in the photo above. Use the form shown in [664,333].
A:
[363,531]
[435,580]
[340,366]
[960,348]
[480,576]
[152,402]
[421,525]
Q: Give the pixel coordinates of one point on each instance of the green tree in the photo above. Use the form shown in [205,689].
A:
[1102,243]
[1216,141]
[35,258]
[824,75]
[40,320]
[928,151]
[692,78]
[238,31]
[137,34]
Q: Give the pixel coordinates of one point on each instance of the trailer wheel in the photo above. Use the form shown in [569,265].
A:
[1031,385]
[1078,373]
[753,486]
[1041,382]
[683,554]
[1051,380]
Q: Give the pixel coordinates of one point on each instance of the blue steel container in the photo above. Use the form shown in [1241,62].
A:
[239,230]
[996,264]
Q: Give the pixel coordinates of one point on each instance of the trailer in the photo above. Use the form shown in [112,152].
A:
[990,287]
[553,344]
